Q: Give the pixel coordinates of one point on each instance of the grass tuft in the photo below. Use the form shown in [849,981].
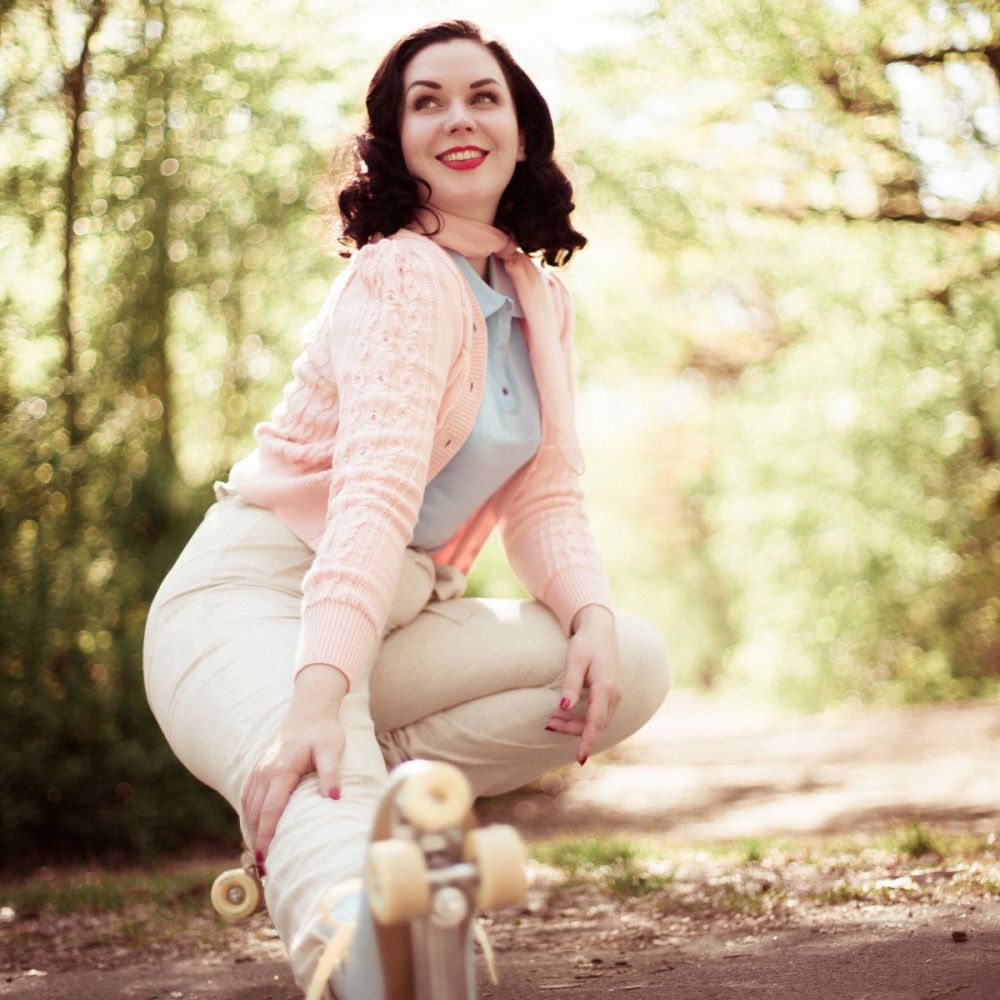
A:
[917,841]
[616,864]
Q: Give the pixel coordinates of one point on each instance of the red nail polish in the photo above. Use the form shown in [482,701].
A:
[564,704]
[549,729]
[261,871]
[584,761]
[259,857]
[334,793]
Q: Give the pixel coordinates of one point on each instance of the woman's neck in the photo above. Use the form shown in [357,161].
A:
[480,265]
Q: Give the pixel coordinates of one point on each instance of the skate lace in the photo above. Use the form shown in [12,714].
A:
[341,934]
[483,940]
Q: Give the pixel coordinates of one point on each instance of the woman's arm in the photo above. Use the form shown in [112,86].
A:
[547,538]
[390,344]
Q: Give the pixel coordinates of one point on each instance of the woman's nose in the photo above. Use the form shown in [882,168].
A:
[458,118]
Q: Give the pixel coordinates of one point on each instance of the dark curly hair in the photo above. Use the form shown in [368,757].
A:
[379,195]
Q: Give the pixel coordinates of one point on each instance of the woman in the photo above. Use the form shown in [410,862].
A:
[313,634]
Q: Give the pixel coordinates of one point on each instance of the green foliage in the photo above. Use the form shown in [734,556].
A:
[135,342]
[818,456]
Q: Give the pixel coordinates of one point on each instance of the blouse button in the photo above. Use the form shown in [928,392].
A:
[472,386]
[506,391]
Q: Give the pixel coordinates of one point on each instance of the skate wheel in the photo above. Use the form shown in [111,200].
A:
[499,853]
[237,895]
[398,890]
[435,798]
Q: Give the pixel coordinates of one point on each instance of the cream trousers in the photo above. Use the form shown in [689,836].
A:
[468,681]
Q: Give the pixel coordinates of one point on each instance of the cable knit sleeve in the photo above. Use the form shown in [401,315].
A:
[544,528]
[390,346]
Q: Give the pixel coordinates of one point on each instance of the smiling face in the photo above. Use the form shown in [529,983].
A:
[458,127]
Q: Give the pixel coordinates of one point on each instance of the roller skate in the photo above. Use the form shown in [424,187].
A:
[429,868]
[237,893]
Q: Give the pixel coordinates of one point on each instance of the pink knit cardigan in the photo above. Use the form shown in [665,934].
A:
[384,394]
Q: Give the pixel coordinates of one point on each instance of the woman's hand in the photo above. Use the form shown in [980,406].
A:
[309,738]
[592,663]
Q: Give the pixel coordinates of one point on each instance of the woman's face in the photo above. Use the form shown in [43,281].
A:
[458,127]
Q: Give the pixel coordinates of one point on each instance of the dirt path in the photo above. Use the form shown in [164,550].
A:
[856,926]
[707,770]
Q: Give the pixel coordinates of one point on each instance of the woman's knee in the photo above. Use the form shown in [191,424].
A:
[645,673]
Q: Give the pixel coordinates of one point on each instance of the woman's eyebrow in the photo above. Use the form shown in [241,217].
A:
[437,86]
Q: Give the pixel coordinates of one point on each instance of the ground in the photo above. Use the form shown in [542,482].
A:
[719,853]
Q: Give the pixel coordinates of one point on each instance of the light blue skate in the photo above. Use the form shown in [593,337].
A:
[407,933]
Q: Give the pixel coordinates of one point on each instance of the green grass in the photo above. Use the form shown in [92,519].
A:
[916,841]
[616,864]
[103,892]
[725,876]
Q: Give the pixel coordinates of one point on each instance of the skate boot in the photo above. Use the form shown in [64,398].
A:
[429,868]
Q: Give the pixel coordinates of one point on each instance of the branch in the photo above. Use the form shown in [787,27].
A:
[830,78]
[991,53]
[75,93]
[893,210]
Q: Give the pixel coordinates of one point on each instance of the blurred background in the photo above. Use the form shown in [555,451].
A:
[788,340]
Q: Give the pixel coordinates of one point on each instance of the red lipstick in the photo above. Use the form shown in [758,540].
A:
[472,157]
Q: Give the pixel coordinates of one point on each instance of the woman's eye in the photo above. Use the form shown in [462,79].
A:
[490,97]
[423,102]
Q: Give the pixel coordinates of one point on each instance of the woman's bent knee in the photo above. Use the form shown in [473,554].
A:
[644,669]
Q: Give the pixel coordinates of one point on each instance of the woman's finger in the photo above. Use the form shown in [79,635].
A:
[251,812]
[279,791]
[573,726]
[247,796]
[597,719]
[577,662]
[327,759]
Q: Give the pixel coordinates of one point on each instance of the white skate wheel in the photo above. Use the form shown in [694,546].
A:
[436,797]
[499,853]
[398,890]
[237,895]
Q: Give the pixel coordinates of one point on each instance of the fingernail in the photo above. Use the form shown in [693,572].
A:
[564,704]
[549,729]
[334,793]
[259,857]
[584,761]
[261,871]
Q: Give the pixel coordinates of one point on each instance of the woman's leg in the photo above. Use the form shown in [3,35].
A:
[473,682]
[219,663]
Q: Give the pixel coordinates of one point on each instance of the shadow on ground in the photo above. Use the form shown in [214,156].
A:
[704,770]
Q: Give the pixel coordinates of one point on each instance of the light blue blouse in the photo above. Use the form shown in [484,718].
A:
[508,427]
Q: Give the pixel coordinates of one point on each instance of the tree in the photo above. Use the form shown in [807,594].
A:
[161,193]
[820,183]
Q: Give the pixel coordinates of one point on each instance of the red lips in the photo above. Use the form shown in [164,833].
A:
[469,162]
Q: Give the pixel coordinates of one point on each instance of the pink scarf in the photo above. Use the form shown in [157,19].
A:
[541,330]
